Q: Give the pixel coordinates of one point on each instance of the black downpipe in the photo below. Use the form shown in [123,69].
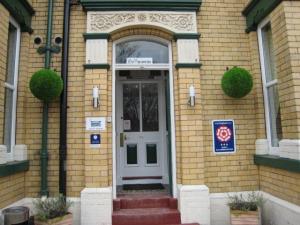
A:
[64,102]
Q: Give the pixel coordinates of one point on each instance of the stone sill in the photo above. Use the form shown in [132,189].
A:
[14,167]
[277,162]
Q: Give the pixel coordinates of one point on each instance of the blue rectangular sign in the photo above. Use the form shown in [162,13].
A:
[95,139]
[223,136]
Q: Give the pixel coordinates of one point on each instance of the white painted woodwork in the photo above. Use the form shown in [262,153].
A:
[142,169]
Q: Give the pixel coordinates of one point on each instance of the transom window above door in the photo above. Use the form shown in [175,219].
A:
[142,52]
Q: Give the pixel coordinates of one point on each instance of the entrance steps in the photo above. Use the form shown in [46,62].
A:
[146,211]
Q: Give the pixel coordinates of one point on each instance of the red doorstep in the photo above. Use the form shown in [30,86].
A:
[146,211]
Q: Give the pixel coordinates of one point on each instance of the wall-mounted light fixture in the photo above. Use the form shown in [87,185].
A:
[95,97]
[192,96]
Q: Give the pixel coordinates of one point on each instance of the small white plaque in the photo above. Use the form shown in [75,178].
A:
[139,61]
[95,123]
[127,125]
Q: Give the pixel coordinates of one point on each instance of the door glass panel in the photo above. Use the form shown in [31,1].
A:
[151,153]
[141,49]
[131,107]
[150,107]
[131,154]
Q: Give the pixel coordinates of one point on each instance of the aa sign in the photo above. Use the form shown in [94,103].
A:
[223,136]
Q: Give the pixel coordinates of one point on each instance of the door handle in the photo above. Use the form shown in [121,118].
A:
[123,138]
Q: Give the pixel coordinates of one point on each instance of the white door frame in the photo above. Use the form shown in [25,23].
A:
[168,67]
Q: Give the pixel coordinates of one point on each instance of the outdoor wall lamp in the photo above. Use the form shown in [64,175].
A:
[192,96]
[95,97]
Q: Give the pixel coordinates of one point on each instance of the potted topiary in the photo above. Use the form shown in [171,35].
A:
[52,211]
[237,82]
[245,209]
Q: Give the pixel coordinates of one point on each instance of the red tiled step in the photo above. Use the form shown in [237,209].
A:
[147,202]
[146,216]
[183,224]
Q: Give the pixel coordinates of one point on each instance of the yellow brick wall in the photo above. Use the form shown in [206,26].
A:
[286,35]
[189,126]
[33,109]
[11,189]
[219,48]
[76,114]
[97,161]
[224,44]
[280,183]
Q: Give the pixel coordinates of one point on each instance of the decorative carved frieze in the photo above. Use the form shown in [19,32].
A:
[177,22]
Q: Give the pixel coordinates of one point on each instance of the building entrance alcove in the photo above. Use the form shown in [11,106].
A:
[143,115]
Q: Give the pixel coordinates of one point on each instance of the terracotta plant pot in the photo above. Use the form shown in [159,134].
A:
[64,220]
[238,217]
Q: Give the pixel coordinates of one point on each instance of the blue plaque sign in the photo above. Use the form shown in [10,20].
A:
[223,136]
[95,139]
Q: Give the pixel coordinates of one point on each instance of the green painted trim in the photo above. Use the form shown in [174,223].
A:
[96,66]
[21,11]
[291,165]
[89,36]
[188,65]
[257,10]
[13,168]
[186,36]
[114,5]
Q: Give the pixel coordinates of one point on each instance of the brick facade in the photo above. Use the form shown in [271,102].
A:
[223,44]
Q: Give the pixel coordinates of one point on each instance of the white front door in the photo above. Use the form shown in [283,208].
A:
[141,131]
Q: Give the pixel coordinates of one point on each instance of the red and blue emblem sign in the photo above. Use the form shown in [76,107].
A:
[223,136]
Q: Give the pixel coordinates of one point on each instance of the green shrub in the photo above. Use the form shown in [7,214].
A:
[250,202]
[46,85]
[237,82]
[51,208]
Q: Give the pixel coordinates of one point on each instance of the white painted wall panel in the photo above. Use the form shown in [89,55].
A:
[96,51]
[188,51]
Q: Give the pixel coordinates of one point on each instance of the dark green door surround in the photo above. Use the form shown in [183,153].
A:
[257,10]
[21,11]
[168,5]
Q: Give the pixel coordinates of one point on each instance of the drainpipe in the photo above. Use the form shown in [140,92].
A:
[44,150]
[64,102]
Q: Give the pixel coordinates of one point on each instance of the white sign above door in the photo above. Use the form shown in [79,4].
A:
[139,61]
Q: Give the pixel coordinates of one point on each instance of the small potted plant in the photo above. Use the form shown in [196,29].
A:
[52,211]
[245,209]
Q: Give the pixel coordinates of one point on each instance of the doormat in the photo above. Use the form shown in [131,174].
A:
[137,187]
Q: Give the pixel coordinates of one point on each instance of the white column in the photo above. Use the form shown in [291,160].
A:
[194,204]
[96,206]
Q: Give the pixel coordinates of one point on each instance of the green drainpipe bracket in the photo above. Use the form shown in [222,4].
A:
[53,49]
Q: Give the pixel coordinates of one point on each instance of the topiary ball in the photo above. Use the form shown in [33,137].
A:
[237,82]
[46,85]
